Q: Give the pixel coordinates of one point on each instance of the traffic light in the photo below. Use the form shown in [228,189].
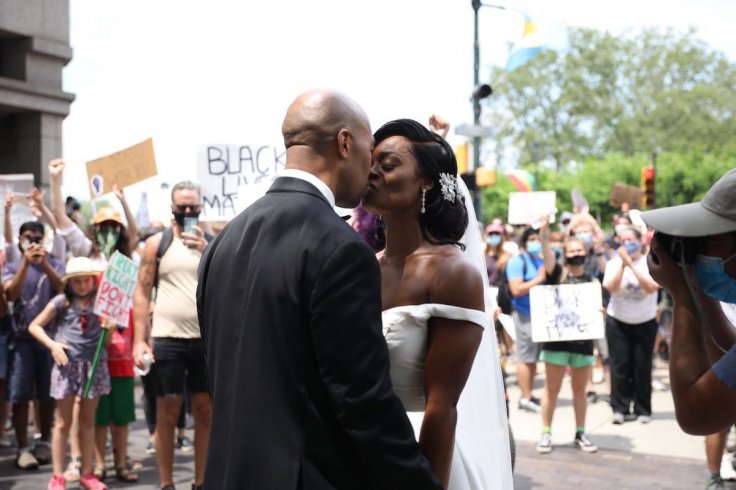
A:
[461,155]
[647,184]
[481,177]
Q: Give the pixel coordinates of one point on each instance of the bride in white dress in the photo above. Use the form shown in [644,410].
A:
[444,359]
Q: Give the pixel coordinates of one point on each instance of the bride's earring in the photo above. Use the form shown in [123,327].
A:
[424,197]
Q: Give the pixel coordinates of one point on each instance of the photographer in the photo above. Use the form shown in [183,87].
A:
[695,262]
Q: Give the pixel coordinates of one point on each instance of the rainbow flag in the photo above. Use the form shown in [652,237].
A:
[534,39]
[522,180]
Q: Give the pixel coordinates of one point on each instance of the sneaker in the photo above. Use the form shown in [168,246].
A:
[73,470]
[57,482]
[657,385]
[184,444]
[597,376]
[644,419]
[91,482]
[5,441]
[714,482]
[26,460]
[544,445]
[529,405]
[585,445]
[151,447]
[727,471]
[618,418]
[591,396]
[42,451]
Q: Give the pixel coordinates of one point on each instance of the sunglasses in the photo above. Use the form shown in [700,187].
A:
[195,208]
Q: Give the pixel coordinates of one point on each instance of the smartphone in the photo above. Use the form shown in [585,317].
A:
[189,224]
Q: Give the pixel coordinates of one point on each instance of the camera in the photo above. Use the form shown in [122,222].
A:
[682,249]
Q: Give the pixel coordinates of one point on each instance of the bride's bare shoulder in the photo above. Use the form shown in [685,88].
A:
[454,279]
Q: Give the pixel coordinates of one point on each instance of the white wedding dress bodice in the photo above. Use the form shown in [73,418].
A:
[481,458]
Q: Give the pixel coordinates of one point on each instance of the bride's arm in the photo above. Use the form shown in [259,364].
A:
[450,355]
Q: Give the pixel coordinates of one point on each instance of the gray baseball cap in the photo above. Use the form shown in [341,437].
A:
[714,215]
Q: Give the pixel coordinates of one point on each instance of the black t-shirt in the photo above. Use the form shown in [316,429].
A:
[575,346]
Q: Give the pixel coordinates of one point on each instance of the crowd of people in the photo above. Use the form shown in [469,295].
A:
[318,403]
[50,333]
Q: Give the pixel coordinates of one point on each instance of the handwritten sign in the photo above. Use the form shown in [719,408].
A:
[115,294]
[233,176]
[124,167]
[566,312]
[527,207]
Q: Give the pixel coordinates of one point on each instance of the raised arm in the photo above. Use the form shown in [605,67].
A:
[7,224]
[451,351]
[46,214]
[132,225]
[56,169]
[142,300]
[703,403]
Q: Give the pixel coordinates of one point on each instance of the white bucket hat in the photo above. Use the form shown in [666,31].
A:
[81,266]
[714,215]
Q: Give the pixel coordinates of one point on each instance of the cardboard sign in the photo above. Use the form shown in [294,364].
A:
[20,185]
[115,294]
[233,176]
[621,193]
[526,208]
[124,167]
[566,312]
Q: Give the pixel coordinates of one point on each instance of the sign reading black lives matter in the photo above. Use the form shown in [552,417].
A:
[233,176]
[566,312]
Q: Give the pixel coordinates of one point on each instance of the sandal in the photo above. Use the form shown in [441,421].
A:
[72,470]
[124,474]
[100,473]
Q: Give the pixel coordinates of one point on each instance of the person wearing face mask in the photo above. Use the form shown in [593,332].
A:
[573,355]
[695,262]
[524,271]
[171,337]
[631,327]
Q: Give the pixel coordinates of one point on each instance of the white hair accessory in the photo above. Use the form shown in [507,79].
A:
[449,186]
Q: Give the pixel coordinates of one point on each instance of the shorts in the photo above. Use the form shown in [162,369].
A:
[561,358]
[3,355]
[179,361]
[527,351]
[118,406]
[29,372]
[69,380]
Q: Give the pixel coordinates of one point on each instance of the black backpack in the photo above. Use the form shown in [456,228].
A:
[504,292]
[167,236]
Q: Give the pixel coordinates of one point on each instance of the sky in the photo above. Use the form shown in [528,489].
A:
[189,73]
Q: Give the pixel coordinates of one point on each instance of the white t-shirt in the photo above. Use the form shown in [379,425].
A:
[630,304]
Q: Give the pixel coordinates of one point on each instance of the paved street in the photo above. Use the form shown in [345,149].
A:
[657,455]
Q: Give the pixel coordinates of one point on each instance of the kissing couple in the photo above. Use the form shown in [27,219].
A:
[326,363]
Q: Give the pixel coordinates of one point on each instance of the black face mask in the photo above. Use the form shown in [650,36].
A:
[575,260]
[179,216]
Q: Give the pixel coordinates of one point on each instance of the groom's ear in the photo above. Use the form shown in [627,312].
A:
[344,142]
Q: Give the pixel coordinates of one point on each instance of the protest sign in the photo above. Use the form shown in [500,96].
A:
[566,312]
[233,176]
[20,185]
[526,208]
[622,193]
[124,167]
[115,293]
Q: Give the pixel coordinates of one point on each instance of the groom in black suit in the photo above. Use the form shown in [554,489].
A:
[290,311]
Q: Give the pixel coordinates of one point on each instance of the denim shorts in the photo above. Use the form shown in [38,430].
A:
[29,372]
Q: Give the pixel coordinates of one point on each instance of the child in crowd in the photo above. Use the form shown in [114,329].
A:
[73,348]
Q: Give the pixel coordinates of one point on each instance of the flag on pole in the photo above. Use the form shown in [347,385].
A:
[535,38]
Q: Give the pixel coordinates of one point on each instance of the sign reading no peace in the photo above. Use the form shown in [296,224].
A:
[566,312]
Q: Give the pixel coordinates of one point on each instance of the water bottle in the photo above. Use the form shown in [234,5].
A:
[146,358]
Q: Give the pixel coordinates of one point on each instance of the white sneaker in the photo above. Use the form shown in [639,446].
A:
[597,376]
[657,385]
[727,471]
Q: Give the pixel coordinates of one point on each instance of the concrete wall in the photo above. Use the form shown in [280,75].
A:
[34,47]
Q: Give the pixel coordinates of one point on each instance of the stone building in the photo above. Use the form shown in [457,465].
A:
[34,47]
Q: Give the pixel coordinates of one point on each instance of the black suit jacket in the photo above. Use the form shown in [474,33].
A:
[289,307]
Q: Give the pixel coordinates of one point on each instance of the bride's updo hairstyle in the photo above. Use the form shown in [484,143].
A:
[444,221]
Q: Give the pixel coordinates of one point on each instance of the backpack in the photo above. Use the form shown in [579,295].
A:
[167,236]
[504,291]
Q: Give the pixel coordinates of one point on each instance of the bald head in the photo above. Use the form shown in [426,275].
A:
[316,116]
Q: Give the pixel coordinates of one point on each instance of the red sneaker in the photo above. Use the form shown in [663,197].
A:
[57,482]
[90,482]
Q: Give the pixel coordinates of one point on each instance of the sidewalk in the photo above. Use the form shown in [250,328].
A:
[633,455]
